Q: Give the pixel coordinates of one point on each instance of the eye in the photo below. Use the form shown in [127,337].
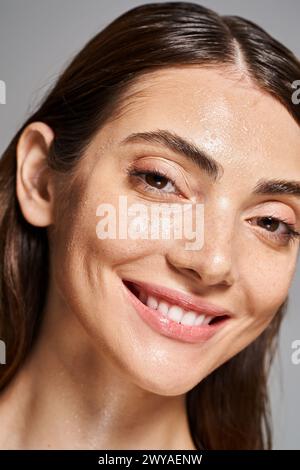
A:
[158,181]
[278,229]
[155,181]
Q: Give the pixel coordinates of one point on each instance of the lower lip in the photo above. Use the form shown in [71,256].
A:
[167,327]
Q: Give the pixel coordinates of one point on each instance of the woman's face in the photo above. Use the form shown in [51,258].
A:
[246,263]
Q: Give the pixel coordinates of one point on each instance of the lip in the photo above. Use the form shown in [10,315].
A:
[168,327]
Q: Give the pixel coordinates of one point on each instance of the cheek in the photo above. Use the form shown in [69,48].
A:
[123,235]
[81,259]
[268,281]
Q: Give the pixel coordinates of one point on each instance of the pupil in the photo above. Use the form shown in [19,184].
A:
[156,180]
[270,223]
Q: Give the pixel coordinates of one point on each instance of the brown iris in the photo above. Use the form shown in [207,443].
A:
[156,180]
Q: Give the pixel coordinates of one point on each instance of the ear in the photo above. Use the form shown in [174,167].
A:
[34,187]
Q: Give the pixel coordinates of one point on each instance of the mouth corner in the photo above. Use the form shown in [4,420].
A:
[127,283]
[131,286]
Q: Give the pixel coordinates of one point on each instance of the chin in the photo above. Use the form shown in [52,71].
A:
[159,373]
[164,386]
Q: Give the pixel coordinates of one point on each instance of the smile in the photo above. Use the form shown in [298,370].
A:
[175,314]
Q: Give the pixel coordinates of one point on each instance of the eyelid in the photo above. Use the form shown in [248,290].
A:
[173,167]
[140,174]
[277,210]
[284,239]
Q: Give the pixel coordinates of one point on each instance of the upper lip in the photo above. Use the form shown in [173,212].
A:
[186,301]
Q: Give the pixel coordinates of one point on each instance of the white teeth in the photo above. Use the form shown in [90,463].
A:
[189,318]
[163,307]
[207,320]
[152,302]
[175,313]
[199,320]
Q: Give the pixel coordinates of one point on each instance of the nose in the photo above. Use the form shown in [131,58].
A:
[212,264]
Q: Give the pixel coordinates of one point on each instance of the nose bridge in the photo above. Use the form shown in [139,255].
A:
[214,260]
[219,219]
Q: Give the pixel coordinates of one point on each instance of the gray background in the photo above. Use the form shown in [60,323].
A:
[38,39]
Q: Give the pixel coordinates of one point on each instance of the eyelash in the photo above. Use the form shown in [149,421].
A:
[134,172]
[291,234]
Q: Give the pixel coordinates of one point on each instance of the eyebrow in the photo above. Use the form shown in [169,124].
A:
[206,162]
[178,144]
[277,186]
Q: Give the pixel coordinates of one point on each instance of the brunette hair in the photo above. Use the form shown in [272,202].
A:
[229,409]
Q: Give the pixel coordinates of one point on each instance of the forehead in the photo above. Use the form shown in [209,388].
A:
[220,110]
